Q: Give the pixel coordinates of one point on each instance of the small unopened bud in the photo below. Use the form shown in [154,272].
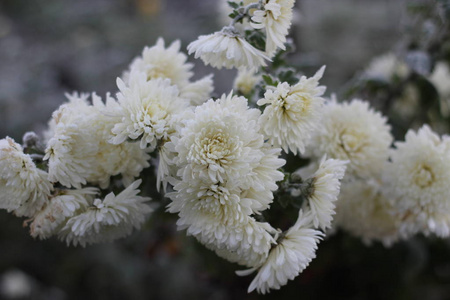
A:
[30,139]
[296,178]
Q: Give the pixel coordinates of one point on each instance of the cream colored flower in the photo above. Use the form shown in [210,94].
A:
[365,211]
[169,63]
[288,258]
[147,110]
[226,173]
[324,191]
[219,217]
[106,220]
[275,18]
[160,62]
[418,177]
[245,81]
[227,49]
[353,131]
[24,188]
[78,150]
[48,221]
[293,112]
[71,147]
[214,146]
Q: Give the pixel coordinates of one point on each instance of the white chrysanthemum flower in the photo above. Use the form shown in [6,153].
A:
[275,18]
[169,63]
[147,110]
[56,212]
[78,150]
[214,146]
[441,78]
[108,219]
[254,241]
[288,258]
[364,211]
[292,112]
[71,147]
[160,62]
[353,131]
[227,48]
[245,81]
[226,174]
[386,67]
[24,188]
[418,177]
[324,191]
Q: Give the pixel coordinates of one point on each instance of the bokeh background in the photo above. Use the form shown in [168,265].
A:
[50,47]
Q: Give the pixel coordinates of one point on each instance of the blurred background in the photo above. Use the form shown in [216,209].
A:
[51,47]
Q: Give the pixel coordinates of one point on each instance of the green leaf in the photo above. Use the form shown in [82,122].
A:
[269,80]
[234,5]
[288,75]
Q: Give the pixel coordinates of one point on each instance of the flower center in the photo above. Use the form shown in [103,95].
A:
[149,113]
[214,147]
[159,71]
[423,176]
[351,141]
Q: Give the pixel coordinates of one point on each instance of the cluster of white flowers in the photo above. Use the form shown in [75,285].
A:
[220,157]
[221,160]
[51,184]
[77,149]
